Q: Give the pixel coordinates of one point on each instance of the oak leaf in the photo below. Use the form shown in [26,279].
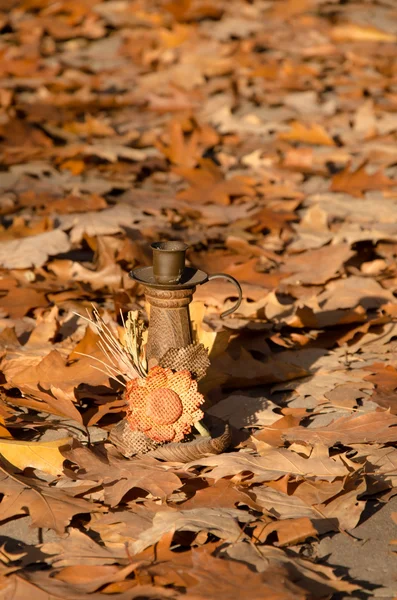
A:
[222,494]
[309,134]
[217,578]
[44,456]
[120,475]
[33,251]
[358,182]
[371,428]
[316,266]
[47,506]
[221,522]
[295,530]
[209,187]
[273,465]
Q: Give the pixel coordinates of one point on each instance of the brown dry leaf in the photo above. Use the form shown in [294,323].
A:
[221,522]
[315,267]
[296,530]
[73,204]
[90,127]
[51,381]
[359,181]
[21,300]
[222,494]
[384,376]
[375,427]
[216,577]
[317,580]
[44,456]
[267,218]
[245,411]
[209,186]
[41,585]
[245,371]
[282,506]
[47,507]
[88,579]
[181,150]
[273,465]
[80,549]
[120,475]
[33,251]
[346,507]
[273,434]
[105,222]
[352,291]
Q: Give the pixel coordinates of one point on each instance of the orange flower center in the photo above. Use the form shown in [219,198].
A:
[163,406]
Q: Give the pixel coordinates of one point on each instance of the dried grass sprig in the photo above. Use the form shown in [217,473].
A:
[126,361]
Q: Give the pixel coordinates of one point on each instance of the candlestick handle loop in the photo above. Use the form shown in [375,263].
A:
[237,285]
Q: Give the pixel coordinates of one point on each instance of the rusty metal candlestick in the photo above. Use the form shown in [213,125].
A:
[169,287]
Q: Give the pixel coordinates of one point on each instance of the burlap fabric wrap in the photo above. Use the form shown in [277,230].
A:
[195,359]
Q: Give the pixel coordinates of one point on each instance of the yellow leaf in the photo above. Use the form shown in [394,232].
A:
[38,455]
[348,32]
[74,166]
[175,37]
[4,433]
[309,134]
[215,341]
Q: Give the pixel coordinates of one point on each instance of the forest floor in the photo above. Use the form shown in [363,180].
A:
[263,134]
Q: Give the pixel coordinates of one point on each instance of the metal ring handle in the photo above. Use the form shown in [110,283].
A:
[239,290]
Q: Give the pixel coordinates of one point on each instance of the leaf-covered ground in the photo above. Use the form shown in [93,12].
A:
[263,133]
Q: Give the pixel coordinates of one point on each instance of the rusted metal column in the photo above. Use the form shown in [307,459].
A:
[169,325]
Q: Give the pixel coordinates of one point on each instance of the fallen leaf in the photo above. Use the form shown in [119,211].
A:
[309,134]
[245,411]
[209,187]
[379,427]
[215,576]
[222,494]
[47,507]
[221,522]
[120,475]
[44,456]
[316,266]
[359,181]
[33,251]
[296,530]
[273,465]
[352,32]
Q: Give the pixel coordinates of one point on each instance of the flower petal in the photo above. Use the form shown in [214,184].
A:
[156,378]
[179,382]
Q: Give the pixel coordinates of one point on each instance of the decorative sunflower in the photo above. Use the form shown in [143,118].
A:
[164,405]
